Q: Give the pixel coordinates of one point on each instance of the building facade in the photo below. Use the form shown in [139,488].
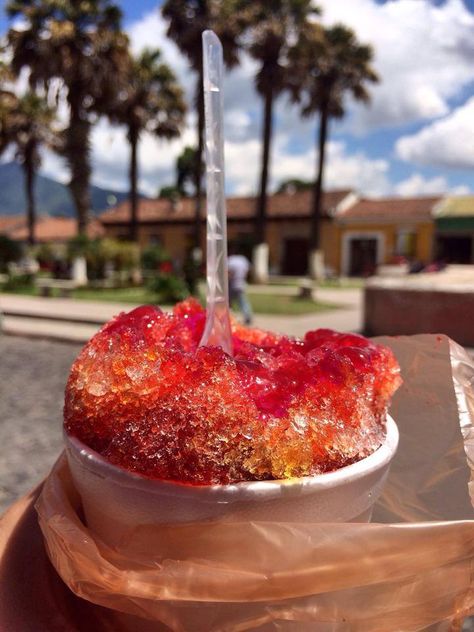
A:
[381,231]
[454,229]
[357,233]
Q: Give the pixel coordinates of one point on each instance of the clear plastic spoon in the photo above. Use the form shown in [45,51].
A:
[217,331]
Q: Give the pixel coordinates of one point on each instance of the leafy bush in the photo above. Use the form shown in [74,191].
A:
[123,255]
[153,256]
[168,288]
[80,246]
[17,282]
[10,251]
[46,254]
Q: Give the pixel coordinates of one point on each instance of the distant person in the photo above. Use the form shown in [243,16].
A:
[238,269]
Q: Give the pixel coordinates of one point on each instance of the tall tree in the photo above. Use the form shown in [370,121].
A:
[327,66]
[187,19]
[80,44]
[26,122]
[185,180]
[186,170]
[150,100]
[270,28]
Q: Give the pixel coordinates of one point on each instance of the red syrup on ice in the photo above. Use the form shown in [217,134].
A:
[146,397]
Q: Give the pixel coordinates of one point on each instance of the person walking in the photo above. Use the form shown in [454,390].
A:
[238,268]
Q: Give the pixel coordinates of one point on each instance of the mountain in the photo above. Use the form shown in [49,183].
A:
[52,197]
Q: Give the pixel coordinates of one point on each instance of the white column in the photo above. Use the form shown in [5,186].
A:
[316,265]
[260,263]
[79,271]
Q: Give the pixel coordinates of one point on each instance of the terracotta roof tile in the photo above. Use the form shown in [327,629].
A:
[279,205]
[388,208]
[54,229]
[10,222]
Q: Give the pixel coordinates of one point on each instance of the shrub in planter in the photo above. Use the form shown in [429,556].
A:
[167,287]
[122,255]
[10,251]
[153,256]
[18,282]
[47,255]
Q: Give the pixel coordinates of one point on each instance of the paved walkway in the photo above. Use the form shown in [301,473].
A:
[33,374]
[77,320]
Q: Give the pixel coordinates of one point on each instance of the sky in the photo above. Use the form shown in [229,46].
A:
[415,138]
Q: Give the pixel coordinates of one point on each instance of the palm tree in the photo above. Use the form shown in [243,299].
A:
[187,19]
[27,123]
[150,100]
[327,65]
[186,170]
[270,28]
[80,44]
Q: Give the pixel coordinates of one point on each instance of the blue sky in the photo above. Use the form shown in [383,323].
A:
[416,137]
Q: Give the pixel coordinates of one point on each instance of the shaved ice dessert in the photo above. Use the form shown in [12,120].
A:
[148,398]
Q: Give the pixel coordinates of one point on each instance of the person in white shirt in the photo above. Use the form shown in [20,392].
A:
[238,269]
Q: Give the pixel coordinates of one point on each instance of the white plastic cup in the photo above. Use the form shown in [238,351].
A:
[115,500]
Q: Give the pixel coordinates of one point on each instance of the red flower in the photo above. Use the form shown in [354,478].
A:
[166,267]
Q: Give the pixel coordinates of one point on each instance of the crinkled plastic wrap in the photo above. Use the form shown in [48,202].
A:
[411,569]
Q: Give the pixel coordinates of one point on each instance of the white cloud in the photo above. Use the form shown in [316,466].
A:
[243,115]
[150,32]
[356,171]
[417,184]
[448,142]
[342,170]
[423,54]
[53,166]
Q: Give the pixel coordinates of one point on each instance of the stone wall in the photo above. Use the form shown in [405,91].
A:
[392,307]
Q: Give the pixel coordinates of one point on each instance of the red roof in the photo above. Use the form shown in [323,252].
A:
[418,208]
[282,205]
[10,222]
[48,229]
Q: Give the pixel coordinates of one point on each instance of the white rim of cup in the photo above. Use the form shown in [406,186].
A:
[235,492]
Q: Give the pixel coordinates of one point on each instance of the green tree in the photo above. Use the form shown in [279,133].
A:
[294,184]
[185,171]
[150,100]
[82,45]
[328,65]
[270,27]
[187,19]
[169,192]
[26,122]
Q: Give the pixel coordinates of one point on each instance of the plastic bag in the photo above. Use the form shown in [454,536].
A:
[407,575]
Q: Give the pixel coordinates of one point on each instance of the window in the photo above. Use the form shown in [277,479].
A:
[406,243]
[155,240]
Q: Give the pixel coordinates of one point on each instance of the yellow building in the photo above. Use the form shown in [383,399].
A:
[380,231]
[356,233]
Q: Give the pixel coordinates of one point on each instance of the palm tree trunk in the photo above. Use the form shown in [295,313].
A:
[261,216]
[133,139]
[77,151]
[198,166]
[29,171]
[315,234]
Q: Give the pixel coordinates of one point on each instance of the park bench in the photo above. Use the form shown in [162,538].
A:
[64,286]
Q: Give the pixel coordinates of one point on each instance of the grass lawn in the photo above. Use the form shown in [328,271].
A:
[261,303]
[342,283]
[137,295]
[286,305]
